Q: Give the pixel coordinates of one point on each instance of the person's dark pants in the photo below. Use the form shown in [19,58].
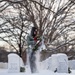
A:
[32,59]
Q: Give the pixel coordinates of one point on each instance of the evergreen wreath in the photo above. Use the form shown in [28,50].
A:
[35,48]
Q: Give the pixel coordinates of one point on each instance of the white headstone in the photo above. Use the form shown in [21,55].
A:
[54,62]
[13,63]
[72,64]
[62,63]
[59,63]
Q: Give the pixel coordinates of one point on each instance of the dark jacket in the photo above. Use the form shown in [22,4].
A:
[30,40]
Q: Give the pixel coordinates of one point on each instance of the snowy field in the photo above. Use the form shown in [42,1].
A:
[42,72]
[43,69]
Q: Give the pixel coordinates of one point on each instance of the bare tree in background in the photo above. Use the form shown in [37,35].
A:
[53,18]
[14,30]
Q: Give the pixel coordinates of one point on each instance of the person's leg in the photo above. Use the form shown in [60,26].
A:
[32,63]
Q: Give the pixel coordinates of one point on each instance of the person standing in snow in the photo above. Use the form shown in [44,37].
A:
[33,44]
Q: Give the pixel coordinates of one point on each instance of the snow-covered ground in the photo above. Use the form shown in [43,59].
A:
[44,69]
[42,72]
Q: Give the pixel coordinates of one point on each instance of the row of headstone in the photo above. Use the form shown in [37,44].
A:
[57,63]
[14,63]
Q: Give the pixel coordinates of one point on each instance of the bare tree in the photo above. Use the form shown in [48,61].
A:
[14,30]
[53,18]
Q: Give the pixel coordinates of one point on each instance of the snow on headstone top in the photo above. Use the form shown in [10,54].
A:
[13,63]
[62,57]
